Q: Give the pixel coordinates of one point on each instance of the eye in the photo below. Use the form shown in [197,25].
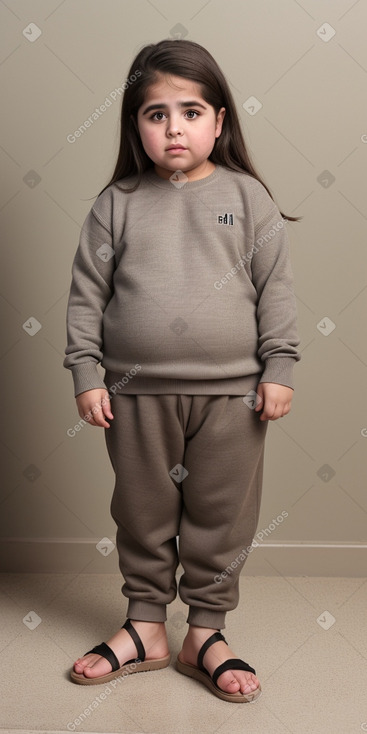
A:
[191,114]
[154,116]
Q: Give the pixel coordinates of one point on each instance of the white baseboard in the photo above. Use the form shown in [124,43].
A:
[80,555]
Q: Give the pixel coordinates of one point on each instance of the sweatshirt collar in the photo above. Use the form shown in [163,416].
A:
[178,182]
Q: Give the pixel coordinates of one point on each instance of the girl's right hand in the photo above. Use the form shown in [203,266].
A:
[93,406]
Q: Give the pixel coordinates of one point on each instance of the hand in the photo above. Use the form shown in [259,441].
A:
[93,406]
[275,400]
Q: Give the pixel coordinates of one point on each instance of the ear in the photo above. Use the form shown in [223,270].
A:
[219,122]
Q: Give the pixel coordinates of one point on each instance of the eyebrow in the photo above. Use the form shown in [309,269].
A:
[190,103]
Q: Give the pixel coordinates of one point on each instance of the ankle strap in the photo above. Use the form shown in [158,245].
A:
[216,637]
[138,643]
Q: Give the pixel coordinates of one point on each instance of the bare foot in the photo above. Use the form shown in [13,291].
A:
[153,636]
[232,681]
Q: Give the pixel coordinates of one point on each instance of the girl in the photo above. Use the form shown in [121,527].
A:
[182,289]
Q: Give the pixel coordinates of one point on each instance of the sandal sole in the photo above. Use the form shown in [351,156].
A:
[193,672]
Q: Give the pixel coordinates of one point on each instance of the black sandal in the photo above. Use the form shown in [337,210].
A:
[136,665]
[200,673]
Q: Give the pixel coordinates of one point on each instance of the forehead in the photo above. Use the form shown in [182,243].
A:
[169,86]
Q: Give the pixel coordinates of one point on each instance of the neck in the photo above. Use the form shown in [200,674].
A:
[195,174]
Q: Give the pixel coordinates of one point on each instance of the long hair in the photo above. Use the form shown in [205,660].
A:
[189,60]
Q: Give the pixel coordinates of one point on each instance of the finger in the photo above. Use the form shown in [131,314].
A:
[87,416]
[279,413]
[260,404]
[106,406]
[284,411]
[100,418]
[91,421]
[259,399]
[269,411]
[95,417]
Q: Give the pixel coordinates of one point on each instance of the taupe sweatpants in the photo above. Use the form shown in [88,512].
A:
[188,466]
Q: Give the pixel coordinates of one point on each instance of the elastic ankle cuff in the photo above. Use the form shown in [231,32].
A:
[206,618]
[145,611]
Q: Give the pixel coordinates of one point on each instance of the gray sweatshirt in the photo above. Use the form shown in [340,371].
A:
[182,287]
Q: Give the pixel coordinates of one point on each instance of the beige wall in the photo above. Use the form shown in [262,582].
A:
[56,489]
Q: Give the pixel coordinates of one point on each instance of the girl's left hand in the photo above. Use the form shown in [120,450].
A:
[275,400]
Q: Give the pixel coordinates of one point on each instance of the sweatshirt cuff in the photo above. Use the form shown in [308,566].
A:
[86,377]
[279,370]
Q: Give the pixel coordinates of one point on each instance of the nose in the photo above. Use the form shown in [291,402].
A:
[174,126]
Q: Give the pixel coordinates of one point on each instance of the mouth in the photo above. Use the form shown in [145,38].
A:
[176,147]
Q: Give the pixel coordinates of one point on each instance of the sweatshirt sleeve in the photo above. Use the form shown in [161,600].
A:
[276,305]
[91,290]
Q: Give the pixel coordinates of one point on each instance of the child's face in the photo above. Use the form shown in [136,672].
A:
[174,113]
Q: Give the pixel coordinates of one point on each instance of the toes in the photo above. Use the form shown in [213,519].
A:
[90,672]
[250,684]
[92,666]
[228,682]
[80,664]
[234,682]
[93,670]
[84,660]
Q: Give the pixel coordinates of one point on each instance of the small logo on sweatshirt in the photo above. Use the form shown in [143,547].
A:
[226,218]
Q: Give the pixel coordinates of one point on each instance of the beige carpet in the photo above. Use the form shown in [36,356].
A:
[306,638]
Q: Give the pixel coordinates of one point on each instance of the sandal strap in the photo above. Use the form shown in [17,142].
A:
[232,664]
[216,637]
[137,640]
[106,652]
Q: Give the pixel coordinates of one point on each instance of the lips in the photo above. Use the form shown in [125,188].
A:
[176,147]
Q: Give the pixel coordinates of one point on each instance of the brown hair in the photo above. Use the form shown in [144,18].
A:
[189,60]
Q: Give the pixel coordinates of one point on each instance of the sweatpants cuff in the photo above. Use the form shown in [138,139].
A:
[146,611]
[206,618]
